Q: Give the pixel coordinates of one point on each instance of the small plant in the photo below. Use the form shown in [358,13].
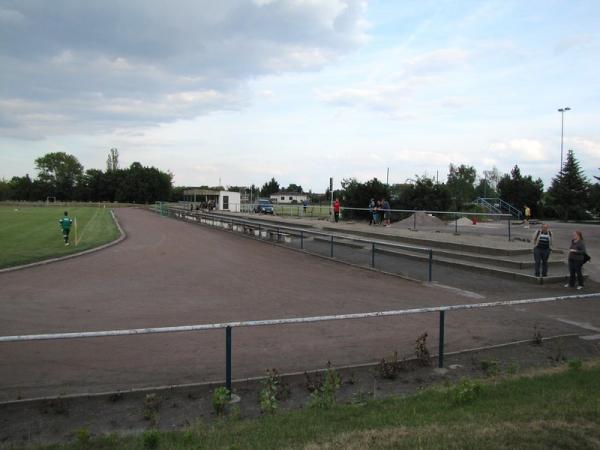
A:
[83,437]
[512,368]
[151,406]
[490,367]
[421,350]
[268,394]
[537,335]
[388,369]
[575,364]
[325,395]
[360,398]
[464,392]
[220,399]
[150,439]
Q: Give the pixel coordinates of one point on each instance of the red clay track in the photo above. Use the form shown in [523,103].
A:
[171,273]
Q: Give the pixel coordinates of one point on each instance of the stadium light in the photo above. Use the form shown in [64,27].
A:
[562,128]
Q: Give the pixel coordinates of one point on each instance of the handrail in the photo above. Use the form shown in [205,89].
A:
[255,323]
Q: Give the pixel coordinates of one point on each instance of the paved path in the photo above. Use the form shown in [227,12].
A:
[174,273]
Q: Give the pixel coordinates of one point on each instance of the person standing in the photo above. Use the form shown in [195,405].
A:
[542,247]
[371,212]
[336,210]
[527,215]
[577,254]
[387,214]
[65,225]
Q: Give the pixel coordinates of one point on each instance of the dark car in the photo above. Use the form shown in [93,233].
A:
[263,206]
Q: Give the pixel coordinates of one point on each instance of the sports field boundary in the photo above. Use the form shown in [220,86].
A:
[121,238]
[239,381]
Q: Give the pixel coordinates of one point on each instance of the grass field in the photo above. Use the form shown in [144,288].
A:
[553,408]
[33,234]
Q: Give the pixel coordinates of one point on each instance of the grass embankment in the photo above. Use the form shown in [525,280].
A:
[553,409]
[33,234]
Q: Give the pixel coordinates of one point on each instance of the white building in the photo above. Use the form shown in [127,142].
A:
[222,200]
[288,197]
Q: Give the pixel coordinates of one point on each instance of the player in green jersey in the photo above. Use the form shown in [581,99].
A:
[65,224]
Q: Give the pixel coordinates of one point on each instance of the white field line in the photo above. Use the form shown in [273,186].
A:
[80,236]
[254,323]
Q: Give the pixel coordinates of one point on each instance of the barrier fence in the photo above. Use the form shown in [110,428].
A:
[228,326]
[363,251]
[449,218]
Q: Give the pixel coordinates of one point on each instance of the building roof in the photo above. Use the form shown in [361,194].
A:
[289,193]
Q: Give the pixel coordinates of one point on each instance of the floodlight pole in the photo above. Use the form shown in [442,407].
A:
[562,128]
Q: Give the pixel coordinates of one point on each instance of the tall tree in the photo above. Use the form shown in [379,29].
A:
[59,173]
[292,187]
[569,192]
[112,162]
[519,190]
[425,194]
[271,187]
[461,184]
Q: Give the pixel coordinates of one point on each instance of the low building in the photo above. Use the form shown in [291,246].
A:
[288,197]
[204,198]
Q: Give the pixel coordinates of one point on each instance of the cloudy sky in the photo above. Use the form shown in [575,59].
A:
[300,90]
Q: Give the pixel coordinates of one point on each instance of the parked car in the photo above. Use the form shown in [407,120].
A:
[263,206]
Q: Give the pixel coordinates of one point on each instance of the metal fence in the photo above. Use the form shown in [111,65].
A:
[418,261]
[228,326]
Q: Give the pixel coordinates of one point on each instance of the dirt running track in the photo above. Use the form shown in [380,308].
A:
[169,273]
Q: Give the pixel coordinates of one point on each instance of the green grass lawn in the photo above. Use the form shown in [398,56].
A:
[550,409]
[33,234]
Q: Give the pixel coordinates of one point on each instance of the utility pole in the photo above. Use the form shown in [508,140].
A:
[562,128]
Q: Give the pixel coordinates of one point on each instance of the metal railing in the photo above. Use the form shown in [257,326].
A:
[283,233]
[499,205]
[228,326]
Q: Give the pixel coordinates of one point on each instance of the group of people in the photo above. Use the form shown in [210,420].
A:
[380,210]
[542,247]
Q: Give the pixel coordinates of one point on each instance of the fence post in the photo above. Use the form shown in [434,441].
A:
[430,264]
[301,239]
[373,255]
[441,342]
[228,359]
[331,252]
[414,220]
[455,224]
[509,228]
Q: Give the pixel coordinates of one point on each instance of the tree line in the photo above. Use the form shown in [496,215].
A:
[571,196]
[61,176]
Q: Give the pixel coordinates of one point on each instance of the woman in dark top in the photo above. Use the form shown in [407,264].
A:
[576,256]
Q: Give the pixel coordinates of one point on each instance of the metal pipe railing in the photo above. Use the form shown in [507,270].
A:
[296,320]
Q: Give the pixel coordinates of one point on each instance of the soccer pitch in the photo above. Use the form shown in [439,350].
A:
[29,234]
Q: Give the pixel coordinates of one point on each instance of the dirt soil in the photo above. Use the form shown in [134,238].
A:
[59,419]
[422,219]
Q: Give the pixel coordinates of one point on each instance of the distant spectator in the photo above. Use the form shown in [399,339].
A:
[527,216]
[377,213]
[542,247]
[577,253]
[387,214]
[371,210]
[336,210]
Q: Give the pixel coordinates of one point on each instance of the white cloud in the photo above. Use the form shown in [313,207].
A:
[139,59]
[587,146]
[520,149]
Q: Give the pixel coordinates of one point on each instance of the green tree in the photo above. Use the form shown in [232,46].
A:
[425,194]
[271,187]
[461,184]
[520,191]
[294,188]
[355,194]
[569,191]
[139,184]
[112,162]
[59,172]
[21,188]
[4,190]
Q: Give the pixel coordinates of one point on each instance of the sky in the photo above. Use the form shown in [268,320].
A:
[236,92]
